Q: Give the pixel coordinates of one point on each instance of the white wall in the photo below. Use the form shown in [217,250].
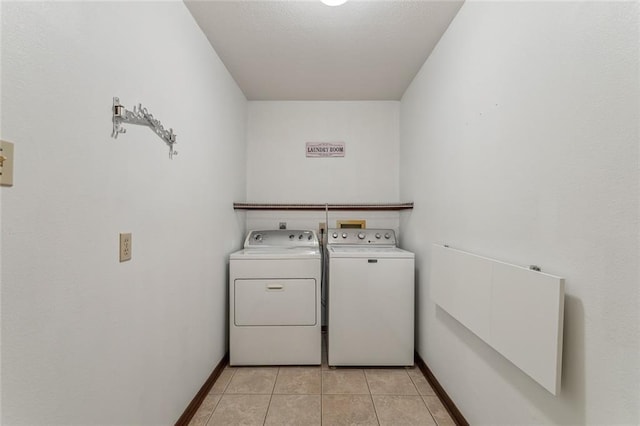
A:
[279,172]
[519,141]
[86,339]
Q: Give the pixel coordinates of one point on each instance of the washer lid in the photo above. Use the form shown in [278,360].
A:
[369,252]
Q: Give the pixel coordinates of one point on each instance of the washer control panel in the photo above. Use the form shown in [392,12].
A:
[362,236]
[281,238]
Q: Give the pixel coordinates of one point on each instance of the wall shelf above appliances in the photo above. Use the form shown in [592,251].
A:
[325,206]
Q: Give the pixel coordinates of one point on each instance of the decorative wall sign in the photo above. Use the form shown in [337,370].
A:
[325,149]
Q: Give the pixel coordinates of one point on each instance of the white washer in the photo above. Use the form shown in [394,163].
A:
[371,299]
[274,299]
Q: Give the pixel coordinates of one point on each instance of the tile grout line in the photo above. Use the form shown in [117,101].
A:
[414,384]
[429,410]
[375,411]
[422,398]
[233,372]
[212,411]
[264,422]
[219,399]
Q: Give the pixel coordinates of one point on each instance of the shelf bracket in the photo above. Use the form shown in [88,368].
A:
[141,116]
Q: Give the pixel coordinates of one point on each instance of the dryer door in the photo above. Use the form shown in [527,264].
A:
[275,302]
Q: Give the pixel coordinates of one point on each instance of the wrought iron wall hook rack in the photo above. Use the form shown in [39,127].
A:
[140,115]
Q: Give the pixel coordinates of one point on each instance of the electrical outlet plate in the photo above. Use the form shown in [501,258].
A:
[322,227]
[125,247]
[6,163]
[283,225]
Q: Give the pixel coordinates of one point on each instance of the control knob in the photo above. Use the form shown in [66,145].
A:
[258,237]
[378,235]
[344,235]
[361,235]
[387,235]
[335,235]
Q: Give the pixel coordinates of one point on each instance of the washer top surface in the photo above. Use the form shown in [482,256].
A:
[277,253]
[368,252]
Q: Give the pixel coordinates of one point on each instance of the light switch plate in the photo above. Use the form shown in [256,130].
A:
[125,247]
[6,163]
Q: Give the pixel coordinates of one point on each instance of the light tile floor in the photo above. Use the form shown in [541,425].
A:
[321,396]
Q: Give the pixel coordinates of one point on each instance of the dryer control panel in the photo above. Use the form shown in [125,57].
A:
[386,237]
[282,238]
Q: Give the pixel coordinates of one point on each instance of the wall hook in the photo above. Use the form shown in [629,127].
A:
[141,116]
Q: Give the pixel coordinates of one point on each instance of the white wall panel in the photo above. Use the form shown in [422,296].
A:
[87,340]
[463,286]
[517,311]
[519,140]
[277,167]
[279,171]
[527,316]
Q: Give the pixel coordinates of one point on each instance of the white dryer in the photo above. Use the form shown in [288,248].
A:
[274,299]
[370,286]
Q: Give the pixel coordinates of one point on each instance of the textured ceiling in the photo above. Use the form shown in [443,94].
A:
[304,50]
